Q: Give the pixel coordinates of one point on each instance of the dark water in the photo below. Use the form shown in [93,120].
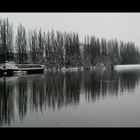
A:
[71,99]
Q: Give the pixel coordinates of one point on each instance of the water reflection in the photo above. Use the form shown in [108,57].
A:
[56,90]
[6,103]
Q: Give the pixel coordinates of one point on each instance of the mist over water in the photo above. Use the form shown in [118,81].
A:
[71,99]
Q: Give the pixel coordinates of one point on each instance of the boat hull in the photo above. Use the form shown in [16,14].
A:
[11,72]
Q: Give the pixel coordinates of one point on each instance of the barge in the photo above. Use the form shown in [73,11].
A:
[10,69]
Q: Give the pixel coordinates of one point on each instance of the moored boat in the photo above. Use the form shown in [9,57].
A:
[10,68]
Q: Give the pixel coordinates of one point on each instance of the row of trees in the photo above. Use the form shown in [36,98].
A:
[109,52]
[57,49]
[6,40]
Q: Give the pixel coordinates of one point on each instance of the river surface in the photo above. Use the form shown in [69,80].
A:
[71,99]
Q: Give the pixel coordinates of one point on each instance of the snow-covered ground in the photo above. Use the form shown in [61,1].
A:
[126,67]
[65,69]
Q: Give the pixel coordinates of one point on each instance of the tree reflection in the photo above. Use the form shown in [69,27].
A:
[6,103]
[129,80]
[55,90]
[113,83]
[22,97]
[62,89]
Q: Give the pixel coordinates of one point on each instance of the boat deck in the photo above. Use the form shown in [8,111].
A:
[12,69]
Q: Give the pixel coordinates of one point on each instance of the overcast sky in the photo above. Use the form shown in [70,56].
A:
[124,26]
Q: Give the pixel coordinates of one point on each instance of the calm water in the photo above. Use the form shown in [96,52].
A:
[74,99]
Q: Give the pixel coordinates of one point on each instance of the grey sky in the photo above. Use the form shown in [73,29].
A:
[124,26]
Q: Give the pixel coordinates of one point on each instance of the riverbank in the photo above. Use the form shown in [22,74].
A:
[11,68]
[98,68]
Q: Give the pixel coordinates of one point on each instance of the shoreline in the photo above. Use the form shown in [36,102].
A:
[71,69]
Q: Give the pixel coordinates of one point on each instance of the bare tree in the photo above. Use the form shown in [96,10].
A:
[40,45]
[6,40]
[21,44]
[33,43]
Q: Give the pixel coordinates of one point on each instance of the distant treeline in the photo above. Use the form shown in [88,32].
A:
[58,49]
